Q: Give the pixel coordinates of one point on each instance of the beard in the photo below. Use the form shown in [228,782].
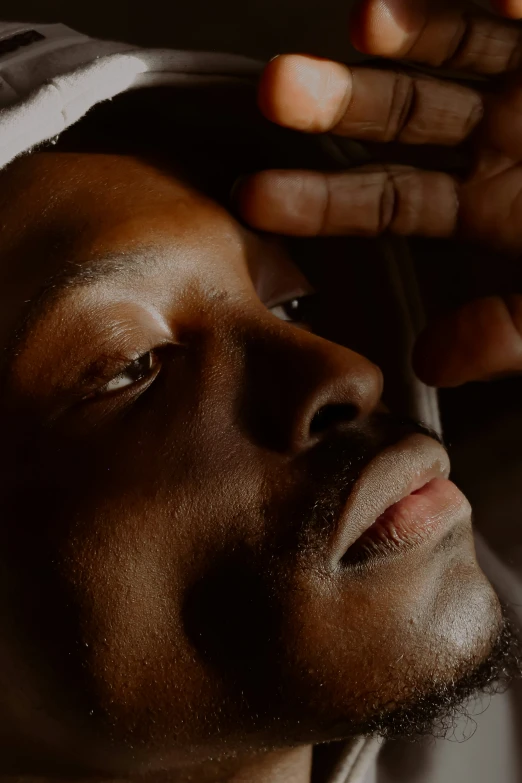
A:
[446,709]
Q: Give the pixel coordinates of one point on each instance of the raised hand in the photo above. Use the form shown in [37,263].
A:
[318,96]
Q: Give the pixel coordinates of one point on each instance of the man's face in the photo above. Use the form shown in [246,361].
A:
[183,572]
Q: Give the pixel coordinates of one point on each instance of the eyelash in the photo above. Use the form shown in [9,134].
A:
[291,308]
[139,366]
[145,374]
[300,310]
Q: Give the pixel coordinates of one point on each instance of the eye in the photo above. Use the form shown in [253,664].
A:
[136,371]
[298,310]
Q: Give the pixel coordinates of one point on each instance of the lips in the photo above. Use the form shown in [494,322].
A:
[402,498]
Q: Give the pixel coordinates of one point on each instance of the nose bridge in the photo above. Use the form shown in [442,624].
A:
[298,386]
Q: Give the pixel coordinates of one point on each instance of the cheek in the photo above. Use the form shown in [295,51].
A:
[122,573]
[183,615]
[150,613]
[167,611]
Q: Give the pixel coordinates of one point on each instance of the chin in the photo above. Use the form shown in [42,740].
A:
[400,644]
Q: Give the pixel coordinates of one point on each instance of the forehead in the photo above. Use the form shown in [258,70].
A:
[69,210]
[65,201]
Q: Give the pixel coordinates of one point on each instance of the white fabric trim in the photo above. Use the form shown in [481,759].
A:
[85,74]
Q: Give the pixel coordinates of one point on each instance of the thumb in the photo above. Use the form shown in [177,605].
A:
[480,341]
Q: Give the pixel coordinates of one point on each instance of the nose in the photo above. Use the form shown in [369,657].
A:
[301,388]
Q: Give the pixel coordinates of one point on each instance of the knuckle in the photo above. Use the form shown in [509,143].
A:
[402,106]
[475,114]
[408,202]
[324,207]
[421,203]
[486,43]
[388,203]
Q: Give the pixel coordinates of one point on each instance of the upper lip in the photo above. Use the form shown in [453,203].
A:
[391,476]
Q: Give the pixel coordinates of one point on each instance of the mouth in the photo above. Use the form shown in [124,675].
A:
[402,500]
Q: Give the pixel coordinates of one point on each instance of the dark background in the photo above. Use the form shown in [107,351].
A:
[258,28]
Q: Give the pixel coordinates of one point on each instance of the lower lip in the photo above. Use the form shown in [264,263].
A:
[426,514]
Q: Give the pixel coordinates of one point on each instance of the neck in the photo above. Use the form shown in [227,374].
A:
[284,766]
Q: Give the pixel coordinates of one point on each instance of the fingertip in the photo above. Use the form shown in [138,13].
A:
[268,93]
[303,92]
[430,359]
[247,198]
[512,9]
[359,25]
[446,353]
[261,200]
[479,341]
[282,202]
[386,28]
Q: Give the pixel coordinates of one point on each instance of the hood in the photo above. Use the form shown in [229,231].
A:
[50,76]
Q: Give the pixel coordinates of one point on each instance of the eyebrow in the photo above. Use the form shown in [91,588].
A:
[73,276]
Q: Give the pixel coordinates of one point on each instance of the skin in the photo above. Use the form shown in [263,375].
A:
[400,110]
[165,611]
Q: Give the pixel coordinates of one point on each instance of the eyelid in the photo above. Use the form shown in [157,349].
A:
[302,320]
[105,369]
[300,292]
[133,389]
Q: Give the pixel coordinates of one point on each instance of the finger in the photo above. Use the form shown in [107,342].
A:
[316,95]
[456,35]
[365,202]
[502,129]
[509,8]
[478,342]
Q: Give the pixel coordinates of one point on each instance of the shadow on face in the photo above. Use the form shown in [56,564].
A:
[179,447]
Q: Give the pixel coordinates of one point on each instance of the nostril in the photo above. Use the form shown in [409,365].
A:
[330,415]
